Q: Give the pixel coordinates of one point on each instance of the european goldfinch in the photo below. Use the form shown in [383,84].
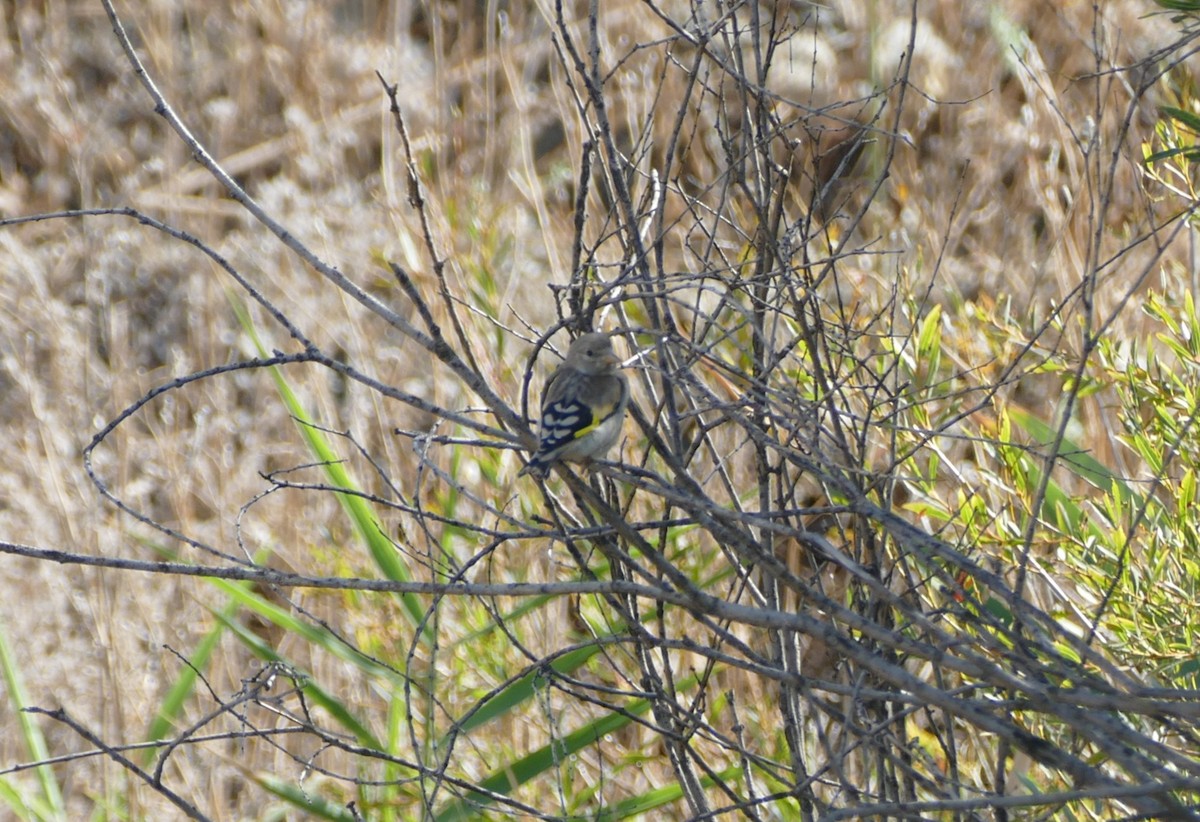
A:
[583,405]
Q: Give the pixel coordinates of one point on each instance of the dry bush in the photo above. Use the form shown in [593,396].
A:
[822,575]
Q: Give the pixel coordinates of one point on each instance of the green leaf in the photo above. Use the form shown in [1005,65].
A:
[1167,154]
[1186,498]
[1188,119]
[929,344]
[1074,457]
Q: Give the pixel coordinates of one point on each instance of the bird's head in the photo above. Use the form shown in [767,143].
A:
[593,354]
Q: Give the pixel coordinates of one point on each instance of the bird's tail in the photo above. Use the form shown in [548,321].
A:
[536,467]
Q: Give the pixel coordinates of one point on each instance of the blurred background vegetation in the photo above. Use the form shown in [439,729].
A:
[914,288]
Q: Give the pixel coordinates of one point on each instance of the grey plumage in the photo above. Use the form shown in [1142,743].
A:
[583,405]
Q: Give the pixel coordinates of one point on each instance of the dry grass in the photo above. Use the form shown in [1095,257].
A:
[988,181]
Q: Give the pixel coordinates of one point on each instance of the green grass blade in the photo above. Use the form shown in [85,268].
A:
[172,705]
[387,558]
[12,797]
[313,693]
[523,689]
[314,807]
[660,797]
[35,743]
[507,778]
[323,638]
[393,774]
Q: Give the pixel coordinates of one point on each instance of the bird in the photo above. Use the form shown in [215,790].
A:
[583,405]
